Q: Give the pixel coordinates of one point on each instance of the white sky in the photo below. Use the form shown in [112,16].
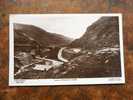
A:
[70,25]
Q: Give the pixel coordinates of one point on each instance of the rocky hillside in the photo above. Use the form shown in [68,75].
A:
[24,33]
[102,33]
[102,64]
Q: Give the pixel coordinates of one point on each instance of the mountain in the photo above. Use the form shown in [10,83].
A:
[102,33]
[99,52]
[24,33]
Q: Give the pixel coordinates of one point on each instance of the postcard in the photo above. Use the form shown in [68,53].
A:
[65,49]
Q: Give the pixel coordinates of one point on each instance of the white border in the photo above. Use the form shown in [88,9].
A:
[66,81]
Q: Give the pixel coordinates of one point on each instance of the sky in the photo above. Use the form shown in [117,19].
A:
[70,25]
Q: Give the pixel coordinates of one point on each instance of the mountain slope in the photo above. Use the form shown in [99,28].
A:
[102,33]
[24,33]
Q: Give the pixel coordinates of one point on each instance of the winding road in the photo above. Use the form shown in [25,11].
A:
[60,55]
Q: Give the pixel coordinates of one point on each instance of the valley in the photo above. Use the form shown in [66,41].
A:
[40,54]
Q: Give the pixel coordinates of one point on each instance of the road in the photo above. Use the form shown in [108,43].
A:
[60,55]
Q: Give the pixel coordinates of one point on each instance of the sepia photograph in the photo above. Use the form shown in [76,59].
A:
[65,49]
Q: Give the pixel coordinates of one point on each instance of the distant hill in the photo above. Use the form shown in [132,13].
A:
[24,33]
[102,33]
